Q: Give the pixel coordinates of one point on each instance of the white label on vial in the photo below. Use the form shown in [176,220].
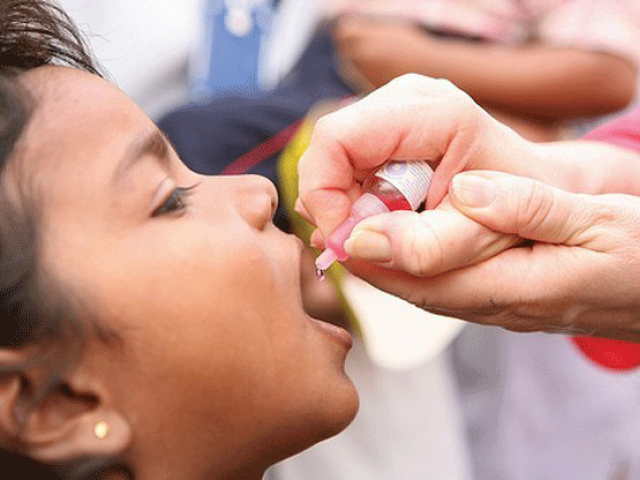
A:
[412,179]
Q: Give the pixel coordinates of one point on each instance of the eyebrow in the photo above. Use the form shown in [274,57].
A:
[153,143]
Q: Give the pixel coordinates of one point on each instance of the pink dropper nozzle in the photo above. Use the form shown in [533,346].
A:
[325,259]
[366,206]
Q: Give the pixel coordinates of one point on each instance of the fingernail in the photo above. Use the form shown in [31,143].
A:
[317,240]
[370,246]
[473,190]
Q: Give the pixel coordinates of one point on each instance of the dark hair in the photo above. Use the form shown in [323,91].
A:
[20,324]
[32,312]
[34,33]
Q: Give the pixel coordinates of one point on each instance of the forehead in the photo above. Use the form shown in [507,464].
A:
[81,126]
[79,121]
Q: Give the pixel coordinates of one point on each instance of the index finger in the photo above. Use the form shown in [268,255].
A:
[517,289]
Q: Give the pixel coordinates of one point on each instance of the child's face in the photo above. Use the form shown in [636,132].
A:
[220,364]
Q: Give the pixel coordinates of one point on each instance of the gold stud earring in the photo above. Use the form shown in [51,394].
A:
[101,430]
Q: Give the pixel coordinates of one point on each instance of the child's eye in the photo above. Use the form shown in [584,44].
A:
[176,202]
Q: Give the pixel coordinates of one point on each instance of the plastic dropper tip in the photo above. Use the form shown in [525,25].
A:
[325,259]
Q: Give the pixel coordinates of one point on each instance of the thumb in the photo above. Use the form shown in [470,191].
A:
[425,244]
[522,206]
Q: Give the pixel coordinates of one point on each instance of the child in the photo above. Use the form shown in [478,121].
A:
[153,325]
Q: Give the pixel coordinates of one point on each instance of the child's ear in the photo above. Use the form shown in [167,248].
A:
[73,420]
[10,396]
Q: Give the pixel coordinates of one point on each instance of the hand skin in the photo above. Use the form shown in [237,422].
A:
[415,117]
[534,80]
[579,274]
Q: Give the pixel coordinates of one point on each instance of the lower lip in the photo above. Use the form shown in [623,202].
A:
[338,334]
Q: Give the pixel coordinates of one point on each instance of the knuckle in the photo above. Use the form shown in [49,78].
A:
[413,83]
[408,79]
[597,217]
[324,126]
[446,86]
[616,219]
[462,102]
[534,208]
[615,207]
[421,250]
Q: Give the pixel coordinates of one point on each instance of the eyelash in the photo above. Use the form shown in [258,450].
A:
[176,202]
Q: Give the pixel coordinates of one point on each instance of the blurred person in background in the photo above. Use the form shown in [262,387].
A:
[534,63]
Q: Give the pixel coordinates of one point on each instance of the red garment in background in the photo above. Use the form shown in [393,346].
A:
[614,354]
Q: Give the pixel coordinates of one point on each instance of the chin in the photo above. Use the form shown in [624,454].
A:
[333,417]
[338,414]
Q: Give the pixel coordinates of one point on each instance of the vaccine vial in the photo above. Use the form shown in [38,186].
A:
[397,185]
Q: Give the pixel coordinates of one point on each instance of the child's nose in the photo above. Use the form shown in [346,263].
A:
[258,199]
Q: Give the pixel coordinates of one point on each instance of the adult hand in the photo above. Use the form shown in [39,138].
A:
[579,274]
[412,117]
[416,117]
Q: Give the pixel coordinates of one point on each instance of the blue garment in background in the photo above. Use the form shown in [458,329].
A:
[227,61]
[210,136]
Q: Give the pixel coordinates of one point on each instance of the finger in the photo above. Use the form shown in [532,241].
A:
[411,118]
[425,244]
[528,208]
[493,146]
[327,208]
[317,240]
[523,288]
[300,210]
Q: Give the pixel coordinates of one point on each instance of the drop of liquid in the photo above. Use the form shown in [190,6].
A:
[320,274]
